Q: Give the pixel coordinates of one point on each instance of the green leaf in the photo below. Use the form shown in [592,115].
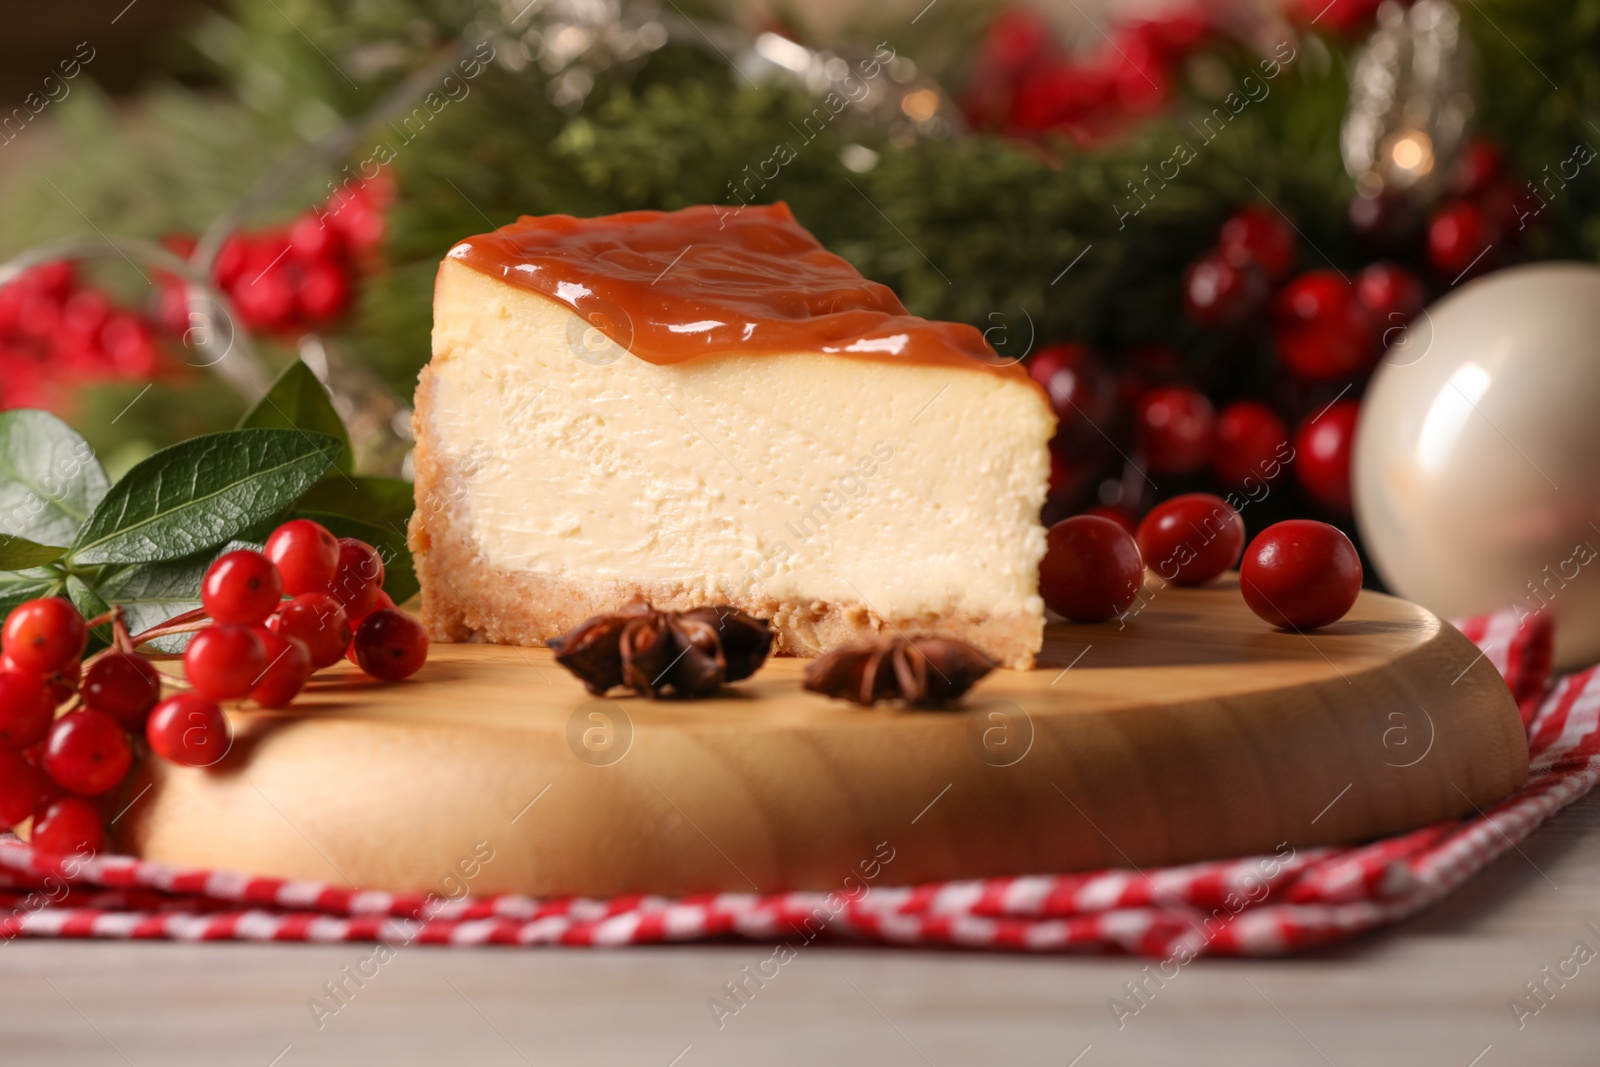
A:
[18,553]
[90,604]
[381,502]
[298,401]
[399,575]
[199,493]
[17,586]
[151,593]
[50,479]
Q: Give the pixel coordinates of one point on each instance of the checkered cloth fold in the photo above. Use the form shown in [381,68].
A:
[1258,905]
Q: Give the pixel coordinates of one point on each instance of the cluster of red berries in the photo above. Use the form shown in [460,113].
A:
[1025,83]
[1477,227]
[252,644]
[261,646]
[1298,574]
[288,278]
[56,332]
[1325,329]
[1176,430]
[1324,325]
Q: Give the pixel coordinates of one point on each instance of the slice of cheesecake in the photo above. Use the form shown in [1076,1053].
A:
[706,407]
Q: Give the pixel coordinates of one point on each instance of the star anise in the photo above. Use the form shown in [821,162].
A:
[662,654]
[924,672]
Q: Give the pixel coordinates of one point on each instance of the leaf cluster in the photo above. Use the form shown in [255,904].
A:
[144,542]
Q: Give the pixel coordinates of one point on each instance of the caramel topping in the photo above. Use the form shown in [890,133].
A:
[672,286]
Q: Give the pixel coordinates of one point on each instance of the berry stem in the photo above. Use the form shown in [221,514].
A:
[119,631]
[185,622]
[167,629]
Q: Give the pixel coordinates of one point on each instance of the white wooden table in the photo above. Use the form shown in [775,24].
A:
[1435,990]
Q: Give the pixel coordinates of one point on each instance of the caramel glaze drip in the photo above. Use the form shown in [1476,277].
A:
[673,286]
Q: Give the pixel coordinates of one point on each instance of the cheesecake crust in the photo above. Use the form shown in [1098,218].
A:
[467,598]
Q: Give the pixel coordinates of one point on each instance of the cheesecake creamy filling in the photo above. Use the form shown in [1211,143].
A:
[911,489]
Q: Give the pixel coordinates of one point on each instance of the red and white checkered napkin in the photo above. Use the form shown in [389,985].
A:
[1252,906]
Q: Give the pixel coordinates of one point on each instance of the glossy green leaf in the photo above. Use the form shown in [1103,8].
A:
[200,493]
[298,401]
[384,502]
[50,479]
[399,573]
[17,586]
[18,553]
[90,604]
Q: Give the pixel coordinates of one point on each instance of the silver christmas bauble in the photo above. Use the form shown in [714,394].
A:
[1477,458]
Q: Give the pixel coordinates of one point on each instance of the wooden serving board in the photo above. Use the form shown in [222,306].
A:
[1195,731]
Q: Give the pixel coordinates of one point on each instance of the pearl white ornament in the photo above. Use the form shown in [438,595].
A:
[1477,457]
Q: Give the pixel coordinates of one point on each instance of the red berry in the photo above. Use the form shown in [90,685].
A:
[1192,538]
[1080,392]
[224,661]
[87,752]
[1504,206]
[242,587]
[85,312]
[190,730]
[288,667]
[1260,236]
[172,308]
[1482,163]
[1300,574]
[1115,514]
[264,296]
[42,636]
[358,578]
[22,789]
[306,555]
[1458,235]
[26,708]
[123,685]
[1250,442]
[1222,294]
[55,279]
[39,316]
[62,683]
[1173,425]
[319,621]
[128,345]
[1321,329]
[1391,295]
[357,217]
[324,292]
[1091,570]
[69,826]
[232,259]
[1322,448]
[1139,78]
[181,245]
[383,603]
[314,239]
[391,645]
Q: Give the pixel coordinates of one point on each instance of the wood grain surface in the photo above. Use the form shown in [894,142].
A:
[1193,731]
